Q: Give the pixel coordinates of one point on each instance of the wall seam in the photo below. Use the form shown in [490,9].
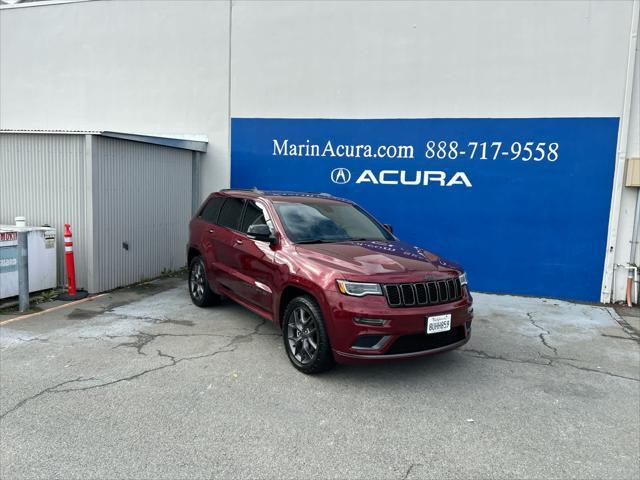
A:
[229,94]
[88,212]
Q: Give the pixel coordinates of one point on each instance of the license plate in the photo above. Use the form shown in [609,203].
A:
[439,323]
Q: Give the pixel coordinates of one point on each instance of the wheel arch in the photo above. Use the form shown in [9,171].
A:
[191,254]
[289,292]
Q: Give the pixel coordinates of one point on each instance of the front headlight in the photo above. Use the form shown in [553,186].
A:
[357,289]
[463,279]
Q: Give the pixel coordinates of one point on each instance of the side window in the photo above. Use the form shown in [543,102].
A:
[255,214]
[212,209]
[230,213]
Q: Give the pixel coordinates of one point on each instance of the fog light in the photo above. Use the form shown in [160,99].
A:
[376,322]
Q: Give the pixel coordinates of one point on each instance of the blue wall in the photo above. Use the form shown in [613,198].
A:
[529,223]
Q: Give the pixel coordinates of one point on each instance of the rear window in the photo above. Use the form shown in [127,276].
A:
[212,209]
[230,213]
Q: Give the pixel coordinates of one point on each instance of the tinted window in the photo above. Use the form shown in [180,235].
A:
[328,222]
[254,215]
[230,213]
[211,210]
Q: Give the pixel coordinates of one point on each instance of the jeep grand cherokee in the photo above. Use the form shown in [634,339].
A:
[337,282]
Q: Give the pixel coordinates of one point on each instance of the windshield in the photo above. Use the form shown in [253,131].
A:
[319,222]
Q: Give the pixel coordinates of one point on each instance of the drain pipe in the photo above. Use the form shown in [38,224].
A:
[632,276]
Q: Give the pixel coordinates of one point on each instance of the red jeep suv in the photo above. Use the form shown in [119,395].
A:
[340,285]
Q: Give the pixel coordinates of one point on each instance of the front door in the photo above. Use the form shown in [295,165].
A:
[256,259]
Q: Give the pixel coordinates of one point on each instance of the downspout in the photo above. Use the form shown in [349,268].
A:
[621,156]
[632,276]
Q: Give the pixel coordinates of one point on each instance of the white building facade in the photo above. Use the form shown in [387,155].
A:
[547,94]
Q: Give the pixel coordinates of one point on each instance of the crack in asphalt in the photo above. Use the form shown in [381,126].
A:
[628,329]
[411,467]
[543,333]
[487,356]
[40,393]
[587,369]
[142,339]
[618,337]
[551,362]
[154,320]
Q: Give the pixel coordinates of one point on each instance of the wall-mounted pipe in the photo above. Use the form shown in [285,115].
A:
[23,270]
[632,280]
[632,285]
[636,230]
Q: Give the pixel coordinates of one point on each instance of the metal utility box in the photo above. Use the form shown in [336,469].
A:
[42,259]
[633,172]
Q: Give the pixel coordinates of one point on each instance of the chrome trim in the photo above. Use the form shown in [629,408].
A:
[370,322]
[413,294]
[381,343]
[359,283]
[262,286]
[447,290]
[386,294]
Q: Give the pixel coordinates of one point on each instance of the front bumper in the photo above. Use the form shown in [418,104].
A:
[402,335]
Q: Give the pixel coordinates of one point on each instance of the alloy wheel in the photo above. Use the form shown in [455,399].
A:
[196,281]
[302,335]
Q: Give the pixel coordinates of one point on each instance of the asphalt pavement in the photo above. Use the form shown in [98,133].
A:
[139,383]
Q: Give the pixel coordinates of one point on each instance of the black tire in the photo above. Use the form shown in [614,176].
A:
[199,289]
[303,326]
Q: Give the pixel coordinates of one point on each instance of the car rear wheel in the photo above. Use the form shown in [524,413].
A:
[305,337]
[199,290]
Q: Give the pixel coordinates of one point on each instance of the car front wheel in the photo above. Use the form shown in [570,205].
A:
[305,337]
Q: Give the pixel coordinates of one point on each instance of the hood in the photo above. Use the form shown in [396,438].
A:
[370,258]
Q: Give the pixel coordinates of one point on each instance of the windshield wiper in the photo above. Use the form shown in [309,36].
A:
[315,240]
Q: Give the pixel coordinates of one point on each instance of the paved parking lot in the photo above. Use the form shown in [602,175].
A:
[141,384]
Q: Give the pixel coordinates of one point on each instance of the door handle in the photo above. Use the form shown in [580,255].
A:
[237,242]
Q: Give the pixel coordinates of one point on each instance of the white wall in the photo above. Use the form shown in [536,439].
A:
[165,67]
[429,59]
[134,66]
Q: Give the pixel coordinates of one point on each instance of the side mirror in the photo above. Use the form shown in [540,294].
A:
[261,232]
[388,227]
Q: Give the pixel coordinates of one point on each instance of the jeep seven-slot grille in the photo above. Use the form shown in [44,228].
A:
[423,293]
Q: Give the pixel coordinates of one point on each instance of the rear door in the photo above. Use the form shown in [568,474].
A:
[206,235]
[256,258]
[227,236]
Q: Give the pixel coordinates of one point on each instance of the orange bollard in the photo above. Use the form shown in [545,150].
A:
[72,292]
[68,256]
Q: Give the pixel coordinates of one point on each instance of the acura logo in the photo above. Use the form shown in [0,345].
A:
[340,175]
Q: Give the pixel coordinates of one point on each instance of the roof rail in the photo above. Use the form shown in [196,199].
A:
[254,190]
